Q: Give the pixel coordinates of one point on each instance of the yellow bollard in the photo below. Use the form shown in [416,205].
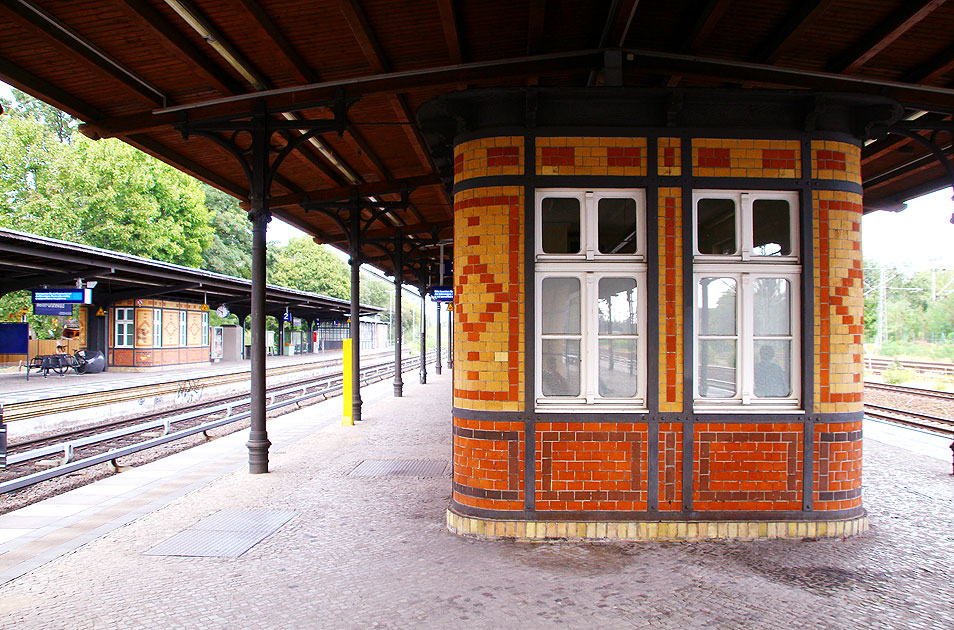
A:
[347,418]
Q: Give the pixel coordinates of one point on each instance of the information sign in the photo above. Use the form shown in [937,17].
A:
[442,293]
[52,308]
[63,296]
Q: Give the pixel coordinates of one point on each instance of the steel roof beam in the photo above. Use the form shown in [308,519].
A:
[883,35]
[708,19]
[348,192]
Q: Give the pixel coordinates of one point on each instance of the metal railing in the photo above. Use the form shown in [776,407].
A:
[325,386]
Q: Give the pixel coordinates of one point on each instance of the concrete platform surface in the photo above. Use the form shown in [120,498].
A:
[373,552]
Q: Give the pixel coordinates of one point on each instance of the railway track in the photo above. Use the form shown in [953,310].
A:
[916,391]
[935,424]
[35,461]
[878,365]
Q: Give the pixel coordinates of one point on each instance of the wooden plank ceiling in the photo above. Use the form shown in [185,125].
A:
[114,63]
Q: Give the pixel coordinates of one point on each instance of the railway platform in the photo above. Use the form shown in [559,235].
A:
[341,546]
[58,403]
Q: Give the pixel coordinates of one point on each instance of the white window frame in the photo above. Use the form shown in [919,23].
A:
[589,266]
[183,329]
[745,268]
[205,329]
[157,328]
[743,224]
[124,327]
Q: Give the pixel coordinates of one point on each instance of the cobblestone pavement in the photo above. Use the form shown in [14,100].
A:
[373,553]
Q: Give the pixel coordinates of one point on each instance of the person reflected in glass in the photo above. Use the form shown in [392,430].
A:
[770,379]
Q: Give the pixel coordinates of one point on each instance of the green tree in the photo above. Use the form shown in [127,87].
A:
[230,247]
[307,266]
[131,202]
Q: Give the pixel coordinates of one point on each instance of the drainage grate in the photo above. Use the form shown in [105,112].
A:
[225,534]
[400,468]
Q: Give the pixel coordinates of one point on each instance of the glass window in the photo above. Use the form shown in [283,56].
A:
[715,226]
[746,299]
[616,225]
[771,228]
[589,300]
[157,328]
[183,329]
[125,327]
[560,219]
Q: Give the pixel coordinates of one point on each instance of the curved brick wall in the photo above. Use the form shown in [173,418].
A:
[513,465]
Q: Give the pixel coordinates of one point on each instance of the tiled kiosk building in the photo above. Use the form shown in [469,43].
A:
[658,318]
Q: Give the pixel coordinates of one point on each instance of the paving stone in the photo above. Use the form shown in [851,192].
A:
[374,553]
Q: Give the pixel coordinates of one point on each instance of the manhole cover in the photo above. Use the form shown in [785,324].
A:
[400,468]
[225,534]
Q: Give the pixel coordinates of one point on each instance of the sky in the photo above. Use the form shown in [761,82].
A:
[918,238]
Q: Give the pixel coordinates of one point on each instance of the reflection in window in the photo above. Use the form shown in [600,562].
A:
[717,368]
[771,228]
[617,372]
[773,368]
[717,309]
[560,221]
[716,226]
[561,306]
[561,367]
[617,226]
[617,306]
[772,306]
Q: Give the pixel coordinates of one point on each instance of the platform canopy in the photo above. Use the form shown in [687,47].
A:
[28,261]
[135,68]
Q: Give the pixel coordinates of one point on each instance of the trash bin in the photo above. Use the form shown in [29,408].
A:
[95,362]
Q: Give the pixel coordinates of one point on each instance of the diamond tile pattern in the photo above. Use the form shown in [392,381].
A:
[225,534]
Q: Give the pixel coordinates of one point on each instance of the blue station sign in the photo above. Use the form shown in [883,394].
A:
[63,296]
[442,293]
[52,308]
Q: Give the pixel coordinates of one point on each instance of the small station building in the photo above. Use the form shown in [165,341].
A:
[659,308]
[147,314]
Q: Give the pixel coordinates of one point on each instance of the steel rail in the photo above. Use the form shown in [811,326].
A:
[367,375]
[935,424]
[914,391]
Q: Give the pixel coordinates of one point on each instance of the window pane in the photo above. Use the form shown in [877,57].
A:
[560,304]
[773,368]
[771,228]
[716,227]
[716,300]
[561,367]
[617,226]
[617,306]
[771,305]
[717,368]
[618,368]
[560,220]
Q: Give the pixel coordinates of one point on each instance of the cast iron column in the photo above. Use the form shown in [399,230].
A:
[397,323]
[259,214]
[258,435]
[423,336]
[437,368]
[355,262]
